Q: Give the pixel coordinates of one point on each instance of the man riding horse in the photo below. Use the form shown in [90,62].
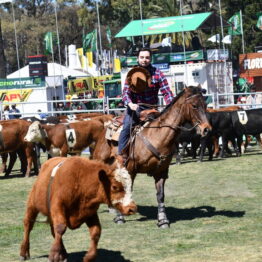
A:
[141,89]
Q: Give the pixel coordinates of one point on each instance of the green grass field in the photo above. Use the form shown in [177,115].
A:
[214,208]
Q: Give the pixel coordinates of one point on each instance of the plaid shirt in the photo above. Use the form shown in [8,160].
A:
[150,95]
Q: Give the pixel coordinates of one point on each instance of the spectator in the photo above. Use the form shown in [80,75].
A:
[6,113]
[60,107]
[74,105]
[254,100]
[41,115]
[14,113]
[242,100]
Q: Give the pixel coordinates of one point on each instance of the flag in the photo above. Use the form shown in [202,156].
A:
[259,22]
[166,41]
[117,65]
[89,42]
[235,21]
[48,41]
[214,38]
[89,56]
[109,36]
[80,54]
[227,39]
[94,40]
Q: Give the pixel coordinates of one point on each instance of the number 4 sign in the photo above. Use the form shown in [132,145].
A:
[71,137]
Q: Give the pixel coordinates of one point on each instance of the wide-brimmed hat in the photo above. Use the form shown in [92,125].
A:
[138,79]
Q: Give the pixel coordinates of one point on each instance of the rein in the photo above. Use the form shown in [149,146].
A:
[148,105]
[150,147]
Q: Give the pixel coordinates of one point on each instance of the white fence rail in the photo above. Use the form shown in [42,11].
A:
[108,105]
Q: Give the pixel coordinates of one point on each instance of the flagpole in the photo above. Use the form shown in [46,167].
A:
[224,51]
[16,47]
[141,18]
[241,23]
[184,48]
[99,32]
[57,33]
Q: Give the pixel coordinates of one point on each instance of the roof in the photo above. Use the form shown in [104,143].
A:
[171,24]
[54,69]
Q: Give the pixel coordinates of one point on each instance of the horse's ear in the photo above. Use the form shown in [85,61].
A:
[185,86]
[199,86]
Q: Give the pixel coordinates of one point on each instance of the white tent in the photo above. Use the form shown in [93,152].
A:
[54,69]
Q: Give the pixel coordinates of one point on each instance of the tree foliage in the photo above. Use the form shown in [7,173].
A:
[75,19]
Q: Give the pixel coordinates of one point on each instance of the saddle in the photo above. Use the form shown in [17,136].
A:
[114,127]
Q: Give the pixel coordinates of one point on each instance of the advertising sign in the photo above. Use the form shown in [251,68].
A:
[217,54]
[161,58]
[187,56]
[26,82]
[166,58]
[93,85]
[164,66]
[79,85]
[250,65]
[15,95]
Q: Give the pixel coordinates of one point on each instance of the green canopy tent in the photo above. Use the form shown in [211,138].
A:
[171,24]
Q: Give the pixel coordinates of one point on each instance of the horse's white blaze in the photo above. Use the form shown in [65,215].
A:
[122,176]
[1,128]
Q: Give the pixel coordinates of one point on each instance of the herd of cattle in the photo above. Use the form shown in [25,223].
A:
[64,135]
[60,136]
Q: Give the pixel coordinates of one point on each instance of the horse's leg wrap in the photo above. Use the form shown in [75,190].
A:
[163,222]
[119,219]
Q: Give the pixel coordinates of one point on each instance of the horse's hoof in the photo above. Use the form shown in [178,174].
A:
[119,220]
[163,223]
[24,258]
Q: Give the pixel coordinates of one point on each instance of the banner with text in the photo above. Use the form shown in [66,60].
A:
[15,95]
[26,82]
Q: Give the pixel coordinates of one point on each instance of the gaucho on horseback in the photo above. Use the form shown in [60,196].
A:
[142,85]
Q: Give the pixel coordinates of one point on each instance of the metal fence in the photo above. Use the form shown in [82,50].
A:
[110,105]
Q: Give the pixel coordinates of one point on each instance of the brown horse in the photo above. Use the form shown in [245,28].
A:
[153,146]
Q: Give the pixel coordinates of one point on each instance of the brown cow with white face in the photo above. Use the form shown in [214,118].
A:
[69,191]
[63,139]
[12,133]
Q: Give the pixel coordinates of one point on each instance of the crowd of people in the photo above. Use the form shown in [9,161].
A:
[12,113]
[251,101]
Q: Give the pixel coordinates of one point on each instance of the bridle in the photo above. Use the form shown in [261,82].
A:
[179,113]
[154,150]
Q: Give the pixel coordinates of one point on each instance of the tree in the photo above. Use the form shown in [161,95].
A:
[252,35]
[2,55]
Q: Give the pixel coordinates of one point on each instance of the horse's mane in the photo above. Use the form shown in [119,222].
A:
[193,89]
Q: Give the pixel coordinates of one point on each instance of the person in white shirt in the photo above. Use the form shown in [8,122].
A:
[254,100]
[6,113]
